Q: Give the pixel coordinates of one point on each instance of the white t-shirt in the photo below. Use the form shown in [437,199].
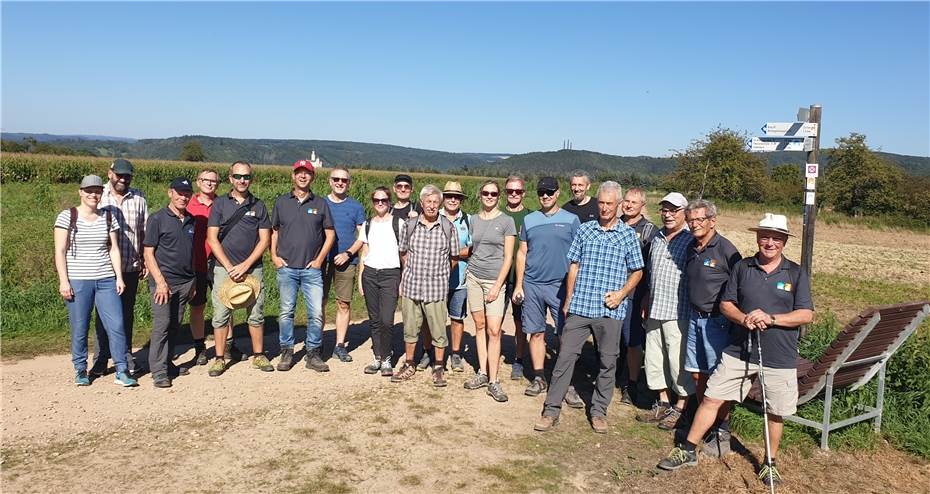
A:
[88,257]
[382,244]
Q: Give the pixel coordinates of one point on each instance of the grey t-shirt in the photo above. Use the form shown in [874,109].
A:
[487,252]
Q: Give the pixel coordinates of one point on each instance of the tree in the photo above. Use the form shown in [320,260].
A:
[858,182]
[787,184]
[719,166]
[193,151]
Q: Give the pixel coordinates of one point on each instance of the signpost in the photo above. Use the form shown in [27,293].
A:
[770,144]
[790,129]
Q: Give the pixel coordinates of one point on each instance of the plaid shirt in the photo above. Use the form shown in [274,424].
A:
[131,215]
[668,273]
[605,258]
[425,277]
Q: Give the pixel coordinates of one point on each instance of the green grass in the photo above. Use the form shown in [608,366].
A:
[524,476]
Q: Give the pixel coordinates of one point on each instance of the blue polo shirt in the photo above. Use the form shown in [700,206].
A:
[548,239]
[605,260]
[347,216]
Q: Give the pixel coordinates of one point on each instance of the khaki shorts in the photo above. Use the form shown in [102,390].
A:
[478,289]
[341,278]
[415,312]
[731,382]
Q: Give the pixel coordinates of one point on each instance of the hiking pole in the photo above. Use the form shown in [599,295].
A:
[765,414]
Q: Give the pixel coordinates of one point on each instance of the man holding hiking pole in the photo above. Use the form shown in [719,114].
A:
[768,298]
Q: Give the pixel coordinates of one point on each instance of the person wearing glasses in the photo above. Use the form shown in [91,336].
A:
[515,190]
[542,265]
[301,238]
[668,314]
[87,258]
[452,197]
[379,277]
[493,236]
[403,207]
[241,219]
[199,207]
[339,271]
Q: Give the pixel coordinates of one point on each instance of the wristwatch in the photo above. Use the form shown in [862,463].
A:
[773,320]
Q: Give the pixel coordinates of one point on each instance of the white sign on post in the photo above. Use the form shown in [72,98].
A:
[768,145]
[790,129]
[809,198]
[811,170]
[811,183]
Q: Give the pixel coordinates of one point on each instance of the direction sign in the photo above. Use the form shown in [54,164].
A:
[770,144]
[790,129]
[810,170]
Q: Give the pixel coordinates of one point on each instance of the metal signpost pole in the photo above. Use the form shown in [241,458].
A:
[810,203]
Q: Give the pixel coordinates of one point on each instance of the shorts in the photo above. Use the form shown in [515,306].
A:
[731,382]
[341,278]
[415,312]
[222,314]
[707,337]
[634,330]
[508,300]
[458,304]
[538,298]
[203,283]
[478,289]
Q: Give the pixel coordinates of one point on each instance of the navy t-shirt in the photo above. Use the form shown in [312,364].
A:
[243,237]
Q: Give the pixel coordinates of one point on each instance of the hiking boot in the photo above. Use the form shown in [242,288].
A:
[386,369]
[679,457]
[81,379]
[516,371]
[655,414]
[599,424]
[161,381]
[572,399]
[496,391]
[315,362]
[404,374]
[477,381]
[626,397]
[217,368]
[342,354]
[374,367]
[769,475]
[200,354]
[455,362]
[125,380]
[536,386]
[424,362]
[261,363]
[286,360]
[670,420]
[545,423]
[439,378]
[716,444]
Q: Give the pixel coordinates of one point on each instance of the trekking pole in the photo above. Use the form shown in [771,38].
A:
[765,415]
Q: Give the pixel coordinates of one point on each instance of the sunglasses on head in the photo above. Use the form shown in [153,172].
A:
[339,180]
[490,193]
[380,200]
[514,192]
[547,193]
[242,176]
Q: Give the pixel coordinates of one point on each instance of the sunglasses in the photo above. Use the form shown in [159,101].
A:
[94,192]
[490,193]
[515,192]
[453,197]
[401,186]
[339,180]
[242,176]
[546,193]
[378,200]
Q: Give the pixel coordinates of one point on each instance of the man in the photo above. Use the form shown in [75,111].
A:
[199,207]
[169,257]
[429,249]
[238,232]
[542,265]
[403,208]
[452,197]
[581,204]
[710,261]
[606,264]
[515,190]
[348,216]
[767,298]
[669,312]
[634,333]
[131,211]
[300,241]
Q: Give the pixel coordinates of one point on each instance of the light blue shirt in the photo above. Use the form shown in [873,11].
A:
[548,239]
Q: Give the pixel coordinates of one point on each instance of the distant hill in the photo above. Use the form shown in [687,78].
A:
[18,136]
[566,160]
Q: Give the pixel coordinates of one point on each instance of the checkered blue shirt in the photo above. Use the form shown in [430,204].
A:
[668,280]
[605,259]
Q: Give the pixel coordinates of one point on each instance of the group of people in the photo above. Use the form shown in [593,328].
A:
[676,300]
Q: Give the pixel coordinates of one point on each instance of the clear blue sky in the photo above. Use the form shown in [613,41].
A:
[622,78]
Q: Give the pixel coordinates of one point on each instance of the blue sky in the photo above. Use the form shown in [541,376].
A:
[619,78]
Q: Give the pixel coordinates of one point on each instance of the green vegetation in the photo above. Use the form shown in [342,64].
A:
[193,151]
[719,166]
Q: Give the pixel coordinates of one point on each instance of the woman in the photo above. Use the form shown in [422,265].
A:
[379,277]
[493,236]
[89,275]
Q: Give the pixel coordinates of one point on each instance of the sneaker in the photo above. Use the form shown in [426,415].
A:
[545,423]
[496,391]
[161,381]
[424,362]
[439,379]
[374,367]
[655,414]
[626,398]
[125,380]
[599,424]
[536,387]
[572,399]
[670,420]
[516,371]
[315,362]
[477,381]
[217,368]
[716,444]
[261,363]
[404,374]
[769,475]
[81,379]
[456,363]
[386,369]
[679,457]
[342,354]
[286,360]
[200,354]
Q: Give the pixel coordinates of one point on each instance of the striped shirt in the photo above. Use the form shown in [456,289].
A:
[88,257]
[425,277]
[668,272]
[605,260]
[131,215]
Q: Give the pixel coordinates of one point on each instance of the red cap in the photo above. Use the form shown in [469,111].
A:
[303,164]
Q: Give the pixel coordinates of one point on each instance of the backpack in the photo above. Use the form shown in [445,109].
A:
[395,224]
[72,230]
[448,229]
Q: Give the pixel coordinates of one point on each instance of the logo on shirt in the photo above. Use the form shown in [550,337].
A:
[781,285]
[250,213]
[710,262]
[313,211]
[190,231]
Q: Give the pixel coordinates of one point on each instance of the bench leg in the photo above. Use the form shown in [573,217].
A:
[827,405]
[880,397]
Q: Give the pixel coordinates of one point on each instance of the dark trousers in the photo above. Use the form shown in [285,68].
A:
[380,286]
[166,323]
[128,299]
[575,332]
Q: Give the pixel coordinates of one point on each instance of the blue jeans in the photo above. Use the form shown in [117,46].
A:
[310,283]
[102,295]
[707,338]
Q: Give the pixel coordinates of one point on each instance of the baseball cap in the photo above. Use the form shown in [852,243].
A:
[122,167]
[675,199]
[303,164]
[181,184]
[547,183]
[403,178]
[91,181]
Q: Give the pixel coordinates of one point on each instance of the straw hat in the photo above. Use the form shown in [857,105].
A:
[773,223]
[453,188]
[235,295]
